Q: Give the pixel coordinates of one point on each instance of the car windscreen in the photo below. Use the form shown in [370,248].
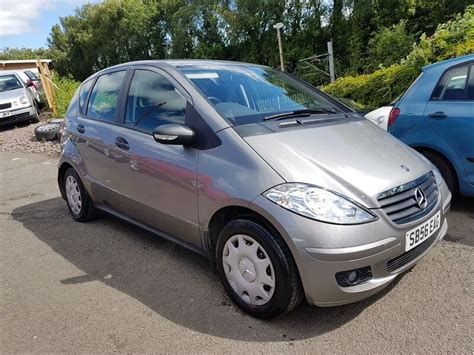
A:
[9,82]
[31,75]
[245,94]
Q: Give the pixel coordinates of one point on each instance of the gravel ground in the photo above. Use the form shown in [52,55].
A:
[107,286]
[21,138]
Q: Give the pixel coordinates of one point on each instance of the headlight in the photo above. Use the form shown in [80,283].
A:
[317,203]
[23,100]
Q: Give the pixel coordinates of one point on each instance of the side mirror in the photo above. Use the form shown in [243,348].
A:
[29,83]
[175,134]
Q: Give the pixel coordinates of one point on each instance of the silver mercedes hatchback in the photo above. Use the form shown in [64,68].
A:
[288,192]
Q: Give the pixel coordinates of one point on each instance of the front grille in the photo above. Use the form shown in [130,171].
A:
[400,205]
[5,106]
[410,255]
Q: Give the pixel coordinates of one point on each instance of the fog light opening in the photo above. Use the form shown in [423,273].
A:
[354,277]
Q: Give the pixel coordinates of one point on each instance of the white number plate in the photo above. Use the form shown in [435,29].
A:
[418,235]
[5,114]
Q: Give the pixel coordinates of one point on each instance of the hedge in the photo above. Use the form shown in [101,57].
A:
[452,39]
[65,89]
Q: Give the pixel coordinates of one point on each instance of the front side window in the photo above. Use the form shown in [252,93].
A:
[247,94]
[9,83]
[153,101]
[104,96]
[453,85]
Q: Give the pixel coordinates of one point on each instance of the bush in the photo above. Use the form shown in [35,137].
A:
[65,87]
[452,39]
[376,89]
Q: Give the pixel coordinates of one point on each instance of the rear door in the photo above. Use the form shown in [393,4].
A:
[94,128]
[450,115]
[157,182]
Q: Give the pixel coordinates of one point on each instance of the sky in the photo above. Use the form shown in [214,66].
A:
[27,23]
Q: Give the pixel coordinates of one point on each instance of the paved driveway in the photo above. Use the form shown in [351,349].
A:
[108,286]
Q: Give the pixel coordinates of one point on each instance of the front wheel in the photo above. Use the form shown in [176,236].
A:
[257,269]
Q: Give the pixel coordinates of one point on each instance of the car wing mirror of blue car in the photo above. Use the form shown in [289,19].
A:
[174,134]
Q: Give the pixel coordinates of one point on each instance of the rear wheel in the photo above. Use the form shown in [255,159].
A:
[445,169]
[78,200]
[257,269]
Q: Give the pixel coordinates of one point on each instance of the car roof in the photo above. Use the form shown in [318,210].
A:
[175,63]
[189,62]
[449,62]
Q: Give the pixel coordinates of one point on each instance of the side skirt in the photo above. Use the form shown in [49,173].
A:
[161,234]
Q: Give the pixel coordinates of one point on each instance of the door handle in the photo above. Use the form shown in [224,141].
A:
[80,128]
[440,115]
[122,143]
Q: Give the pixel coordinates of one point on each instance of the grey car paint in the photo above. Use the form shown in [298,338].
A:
[176,191]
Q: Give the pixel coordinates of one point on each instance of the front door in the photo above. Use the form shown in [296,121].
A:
[157,181]
[450,114]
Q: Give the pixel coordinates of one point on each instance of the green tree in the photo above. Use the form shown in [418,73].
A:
[389,45]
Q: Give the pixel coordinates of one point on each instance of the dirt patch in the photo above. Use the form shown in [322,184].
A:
[21,138]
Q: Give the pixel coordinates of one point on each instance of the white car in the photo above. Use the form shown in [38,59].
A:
[16,101]
[34,85]
[379,116]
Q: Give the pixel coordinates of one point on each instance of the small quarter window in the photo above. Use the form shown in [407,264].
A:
[85,89]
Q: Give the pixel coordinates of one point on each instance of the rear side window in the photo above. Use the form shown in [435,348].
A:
[453,85]
[104,96]
[85,89]
[153,101]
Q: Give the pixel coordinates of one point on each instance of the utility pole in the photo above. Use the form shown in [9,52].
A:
[278,27]
[331,62]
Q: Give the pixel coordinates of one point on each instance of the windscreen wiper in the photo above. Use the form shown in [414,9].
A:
[303,112]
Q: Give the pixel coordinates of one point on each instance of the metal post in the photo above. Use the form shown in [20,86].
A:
[278,27]
[331,62]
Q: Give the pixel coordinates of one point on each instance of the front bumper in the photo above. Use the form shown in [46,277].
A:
[18,115]
[322,250]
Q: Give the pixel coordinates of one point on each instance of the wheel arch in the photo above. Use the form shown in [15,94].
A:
[454,170]
[61,171]
[228,213]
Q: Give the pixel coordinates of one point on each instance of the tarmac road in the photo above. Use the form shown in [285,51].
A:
[107,286]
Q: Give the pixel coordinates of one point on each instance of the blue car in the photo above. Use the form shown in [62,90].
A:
[436,117]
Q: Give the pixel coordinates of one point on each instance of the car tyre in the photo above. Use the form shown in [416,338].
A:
[78,200]
[445,169]
[48,131]
[35,118]
[287,290]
